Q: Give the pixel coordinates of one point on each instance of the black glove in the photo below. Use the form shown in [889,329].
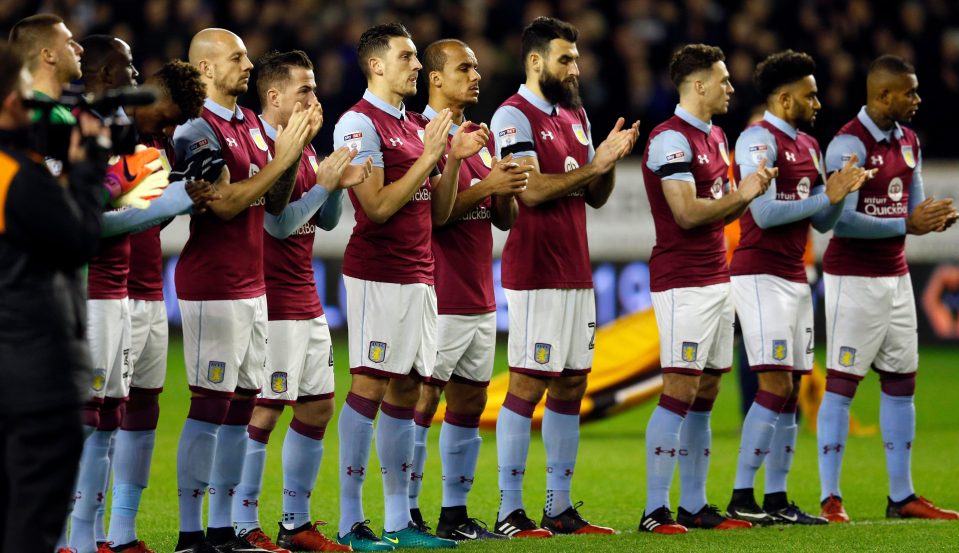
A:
[204,165]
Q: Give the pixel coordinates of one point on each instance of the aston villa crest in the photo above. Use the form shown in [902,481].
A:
[580,134]
[259,140]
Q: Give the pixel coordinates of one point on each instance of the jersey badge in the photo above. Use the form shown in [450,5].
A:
[377,352]
[580,134]
[507,137]
[908,157]
[421,133]
[895,189]
[99,379]
[259,140]
[675,156]
[689,351]
[313,163]
[779,350]
[199,144]
[486,157]
[353,140]
[758,152]
[278,382]
[723,152]
[817,162]
[570,164]
[541,352]
[847,356]
[165,161]
[216,371]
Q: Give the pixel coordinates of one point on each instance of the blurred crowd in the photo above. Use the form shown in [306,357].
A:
[625,46]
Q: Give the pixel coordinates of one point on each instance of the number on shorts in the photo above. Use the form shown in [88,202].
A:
[592,339]
[809,348]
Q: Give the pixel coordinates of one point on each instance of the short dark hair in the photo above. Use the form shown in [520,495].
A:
[893,65]
[376,40]
[274,69]
[434,57]
[692,58]
[182,81]
[780,69]
[96,53]
[10,65]
[538,34]
[30,34]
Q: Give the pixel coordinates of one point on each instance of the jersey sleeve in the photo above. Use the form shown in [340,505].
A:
[754,145]
[841,149]
[512,132]
[916,192]
[670,156]
[589,134]
[356,131]
[192,137]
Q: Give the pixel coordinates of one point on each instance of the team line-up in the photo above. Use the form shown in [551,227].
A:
[426,188]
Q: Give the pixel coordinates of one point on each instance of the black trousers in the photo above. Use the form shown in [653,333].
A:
[40,453]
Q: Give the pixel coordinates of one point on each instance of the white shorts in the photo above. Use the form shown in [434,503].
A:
[695,329]
[392,327]
[871,321]
[299,362]
[108,333]
[224,345]
[467,344]
[775,315]
[551,331]
[148,345]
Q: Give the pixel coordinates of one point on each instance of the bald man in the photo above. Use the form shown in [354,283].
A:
[220,285]
[870,308]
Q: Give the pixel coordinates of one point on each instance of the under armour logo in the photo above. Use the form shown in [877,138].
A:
[790,450]
[790,156]
[197,492]
[660,451]
[414,476]
[568,472]
[99,497]
[230,492]
[908,445]
[876,160]
[703,159]
[249,502]
[350,471]
[759,451]
[405,466]
[517,472]
[395,142]
[706,452]
[547,135]
[464,480]
[827,448]
[231,142]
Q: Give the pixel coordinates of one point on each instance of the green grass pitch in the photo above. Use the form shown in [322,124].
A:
[610,476]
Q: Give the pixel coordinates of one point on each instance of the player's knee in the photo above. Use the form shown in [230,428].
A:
[466,399]
[527,387]
[265,416]
[402,392]
[708,386]
[841,384]
[779,383]
[240,411]
[429,399]
[314,412]
[142,411]
[208,409]
[895,384]
[681,387]
[369,387]
[568,388]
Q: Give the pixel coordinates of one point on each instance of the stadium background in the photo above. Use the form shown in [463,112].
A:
[625,47]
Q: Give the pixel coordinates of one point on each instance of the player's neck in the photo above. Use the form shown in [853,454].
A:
[272,118]
[785,119]
[457,111]
[225,100]
[382,91]
[882,121]
[47,84]
[533,85]
[697,110]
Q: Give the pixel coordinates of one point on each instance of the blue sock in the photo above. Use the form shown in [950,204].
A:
[512,447]
[246,501]
[394,447]
[782,449]
[131,472]
[99,530]
[831,432]
[561,439]
[301,463]
[696,438]
[897,419]
[459,452]
[355,431]
[419,464]
[757,436]
[91,483]
[227,469]
[662,448]
[194,463]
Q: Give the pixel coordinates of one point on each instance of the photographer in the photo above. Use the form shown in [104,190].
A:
[47,233]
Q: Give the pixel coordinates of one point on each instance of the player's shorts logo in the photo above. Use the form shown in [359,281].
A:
[541,353]
[278,382]
[689,351]
[895,189]
[99,379]
[377,352]
[486,157]
[313,163]
[570,164]
[779,350]
[216,371]
[908,157]
[847,356]
[580,135]
[259,140]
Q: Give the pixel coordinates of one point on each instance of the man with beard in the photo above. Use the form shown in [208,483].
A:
[466,330]
[870,307]
[547,275]
[769,284]
[685,172]
[220,285]
[388,273]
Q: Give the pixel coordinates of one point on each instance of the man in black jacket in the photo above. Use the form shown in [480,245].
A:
[47,233]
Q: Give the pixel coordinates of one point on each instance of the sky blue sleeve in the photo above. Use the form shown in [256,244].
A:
[754,145]
[916,193]
[669,147]
[194,136]
[825,219]
[174,201]
[509,126]
[841,149]
[592,148]
[329,215]
[295,214]
[356,131]
[853,224]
